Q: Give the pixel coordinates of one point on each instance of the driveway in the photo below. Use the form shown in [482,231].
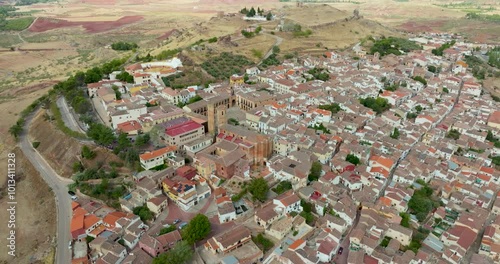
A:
[58,185]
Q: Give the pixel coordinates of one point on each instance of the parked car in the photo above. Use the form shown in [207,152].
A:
[69,246]
[340,250]
[72,193]
[177,221]
[181,226]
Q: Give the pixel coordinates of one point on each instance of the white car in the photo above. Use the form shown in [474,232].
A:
[69,246]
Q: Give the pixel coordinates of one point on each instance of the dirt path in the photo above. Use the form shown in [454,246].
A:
[19,33]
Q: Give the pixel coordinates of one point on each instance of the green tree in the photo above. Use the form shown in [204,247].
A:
[306,206]
[181,253]
[405,219]
[352,159]
[125,77]
[102,134]
[123,143]
[263,242]
[17,129]
[276,49]
[167,230]
[282,187]
[379,104]
[197,229]
[251,13]
[87,153]
[118,94]
[77,167]
[334,108]
[142,140]
[315,172]
[143,212]
[445,90]
[258,188]
[395,133]
[420,79]
[124,46]
[418,108]
[269,16]
[454,134]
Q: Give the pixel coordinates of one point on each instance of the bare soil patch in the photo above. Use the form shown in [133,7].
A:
[35,215]
[45,24]
[62,151]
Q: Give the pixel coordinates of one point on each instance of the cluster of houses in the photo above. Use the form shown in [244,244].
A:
[283,124]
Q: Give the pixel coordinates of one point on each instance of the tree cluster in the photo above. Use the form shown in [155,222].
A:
[379,105]
[181,253]
[454,134]
[101,134]
[225,65]
[392,45]
[353,159]
[315,172]
[124,46]
[420,79]
[125,77]
[282,187]
[447,45]
[197,229]
[262,242]
[87,153]
[395,133]
[333,107]
[258,188]
[421,203]
[143,212]
[319,74]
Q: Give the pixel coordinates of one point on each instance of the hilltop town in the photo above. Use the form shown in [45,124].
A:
[349,157]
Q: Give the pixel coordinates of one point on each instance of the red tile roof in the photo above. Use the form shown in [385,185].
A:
[157,153]
[77,223]
[111,218]
[90,220]
[182,128]
[494,117]
[296,244]
[129,126]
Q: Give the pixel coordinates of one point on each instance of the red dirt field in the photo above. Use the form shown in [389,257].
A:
[99,2]
[421,26]
[44,24]
[167,34]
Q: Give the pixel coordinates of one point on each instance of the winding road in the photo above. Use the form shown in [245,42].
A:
[67,117]
[58,185]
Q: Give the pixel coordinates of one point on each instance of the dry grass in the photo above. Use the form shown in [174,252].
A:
[317,14]
[62,151]
[339,36]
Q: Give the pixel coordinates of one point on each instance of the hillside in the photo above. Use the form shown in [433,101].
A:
[61,151]
[35,216]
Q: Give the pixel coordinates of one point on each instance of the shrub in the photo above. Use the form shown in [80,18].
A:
[36,144]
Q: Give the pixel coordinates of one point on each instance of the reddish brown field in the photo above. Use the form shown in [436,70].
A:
[99,2]
[167,34]
[45,24]
[412,26]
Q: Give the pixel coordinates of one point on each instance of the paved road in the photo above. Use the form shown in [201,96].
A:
[67,116]
[59,187]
